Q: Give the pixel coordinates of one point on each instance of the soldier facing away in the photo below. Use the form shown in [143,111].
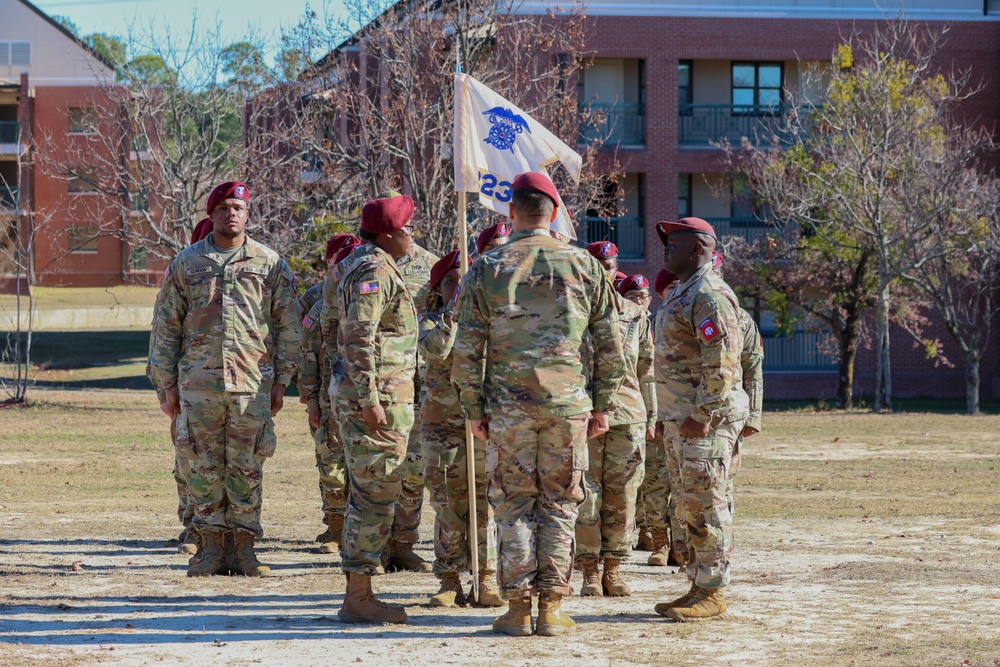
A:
[523,313]
[698,348]
[225,347]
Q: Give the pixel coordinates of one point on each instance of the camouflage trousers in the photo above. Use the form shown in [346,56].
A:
[226,436]
[374,458]
[330,462]
[535,468]
[654,493]
[703,507]
[447,479]
[410,503]
[671,472]
[605,526]
[182,471]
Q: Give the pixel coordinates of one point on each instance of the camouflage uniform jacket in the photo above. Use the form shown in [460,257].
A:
[635,402]
[524,311]
[416,269]
[232,327]
[698,349]
[330,315]
[437,339]
[378,331]
[309,375]
[752,361]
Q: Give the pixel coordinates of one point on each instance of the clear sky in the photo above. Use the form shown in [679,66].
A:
[263,17]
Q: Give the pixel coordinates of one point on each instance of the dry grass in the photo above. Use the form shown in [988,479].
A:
[862,540]
[85,297]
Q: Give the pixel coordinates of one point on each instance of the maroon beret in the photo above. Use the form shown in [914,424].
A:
[338,241]
[665,229]
[664,278]
[452,260]
[619,277]
[345,251]
[716,260]
[537,181]
[201,230]
[602,249]
[490,233]
[230,189]
[387,214]
[636,282]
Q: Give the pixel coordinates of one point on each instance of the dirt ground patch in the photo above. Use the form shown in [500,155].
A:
[861,540]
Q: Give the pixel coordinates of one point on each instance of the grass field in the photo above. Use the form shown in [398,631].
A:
[85,297]
[861,540]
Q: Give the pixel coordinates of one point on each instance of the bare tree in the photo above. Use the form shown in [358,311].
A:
[840,170]
[380,100]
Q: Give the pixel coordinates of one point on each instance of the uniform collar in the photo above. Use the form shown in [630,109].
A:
[249,249]
[698,275]
[534,231]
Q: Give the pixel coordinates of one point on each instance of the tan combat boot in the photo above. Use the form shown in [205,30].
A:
[489,594]
[188,542]
[552,621]
[245,559]
[661,548]
[591,577]
[663,607]
[517,621]
[402,558]
[450,593]
[707,604]
[612,583]
[361,605]
[331,539]
[213,558]
[645,542]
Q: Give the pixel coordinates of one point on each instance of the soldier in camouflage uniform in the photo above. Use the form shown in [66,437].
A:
[378,340]
[444,453]
[523,313]
[493,236]
[225,347]
[313,381]
[606,523]
[698,348]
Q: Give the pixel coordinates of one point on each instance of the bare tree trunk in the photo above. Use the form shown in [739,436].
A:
[972,383]
[883,370]
[845,370]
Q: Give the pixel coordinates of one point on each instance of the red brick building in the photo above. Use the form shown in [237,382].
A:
[51,106]
[675,75]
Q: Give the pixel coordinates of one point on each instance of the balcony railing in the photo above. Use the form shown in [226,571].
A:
[750,229]
[614,124]
[704,123]
[626,233]
[8,197]
[798,351]
[10,132]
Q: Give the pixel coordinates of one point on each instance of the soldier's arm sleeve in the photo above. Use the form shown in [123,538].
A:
[644,370]
[286,318]
[167,335]
[716,325]
[609,359]
[436,335]
[309,370]
[752,360]
[468,370]
[369,295]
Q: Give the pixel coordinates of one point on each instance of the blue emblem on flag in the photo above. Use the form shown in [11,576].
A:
[505,126]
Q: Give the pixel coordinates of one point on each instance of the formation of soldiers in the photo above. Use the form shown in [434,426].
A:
[597,425]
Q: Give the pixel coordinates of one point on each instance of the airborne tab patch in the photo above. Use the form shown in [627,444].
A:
[369,288]
[708,329]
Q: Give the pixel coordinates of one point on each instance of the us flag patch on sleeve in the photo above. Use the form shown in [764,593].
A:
[708,329]
[307,321]
[369,288]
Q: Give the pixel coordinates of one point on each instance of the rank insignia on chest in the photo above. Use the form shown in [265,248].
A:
[708,329]
[368,288]
[307,321]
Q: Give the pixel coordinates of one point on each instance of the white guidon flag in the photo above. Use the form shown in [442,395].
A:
[495,141]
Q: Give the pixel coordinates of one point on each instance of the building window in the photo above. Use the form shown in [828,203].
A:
[82,180]
[83,238]
[82,120]
[684,195]
[618,216]
[757,87]
[15,53]
[685,92]
[137,259]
